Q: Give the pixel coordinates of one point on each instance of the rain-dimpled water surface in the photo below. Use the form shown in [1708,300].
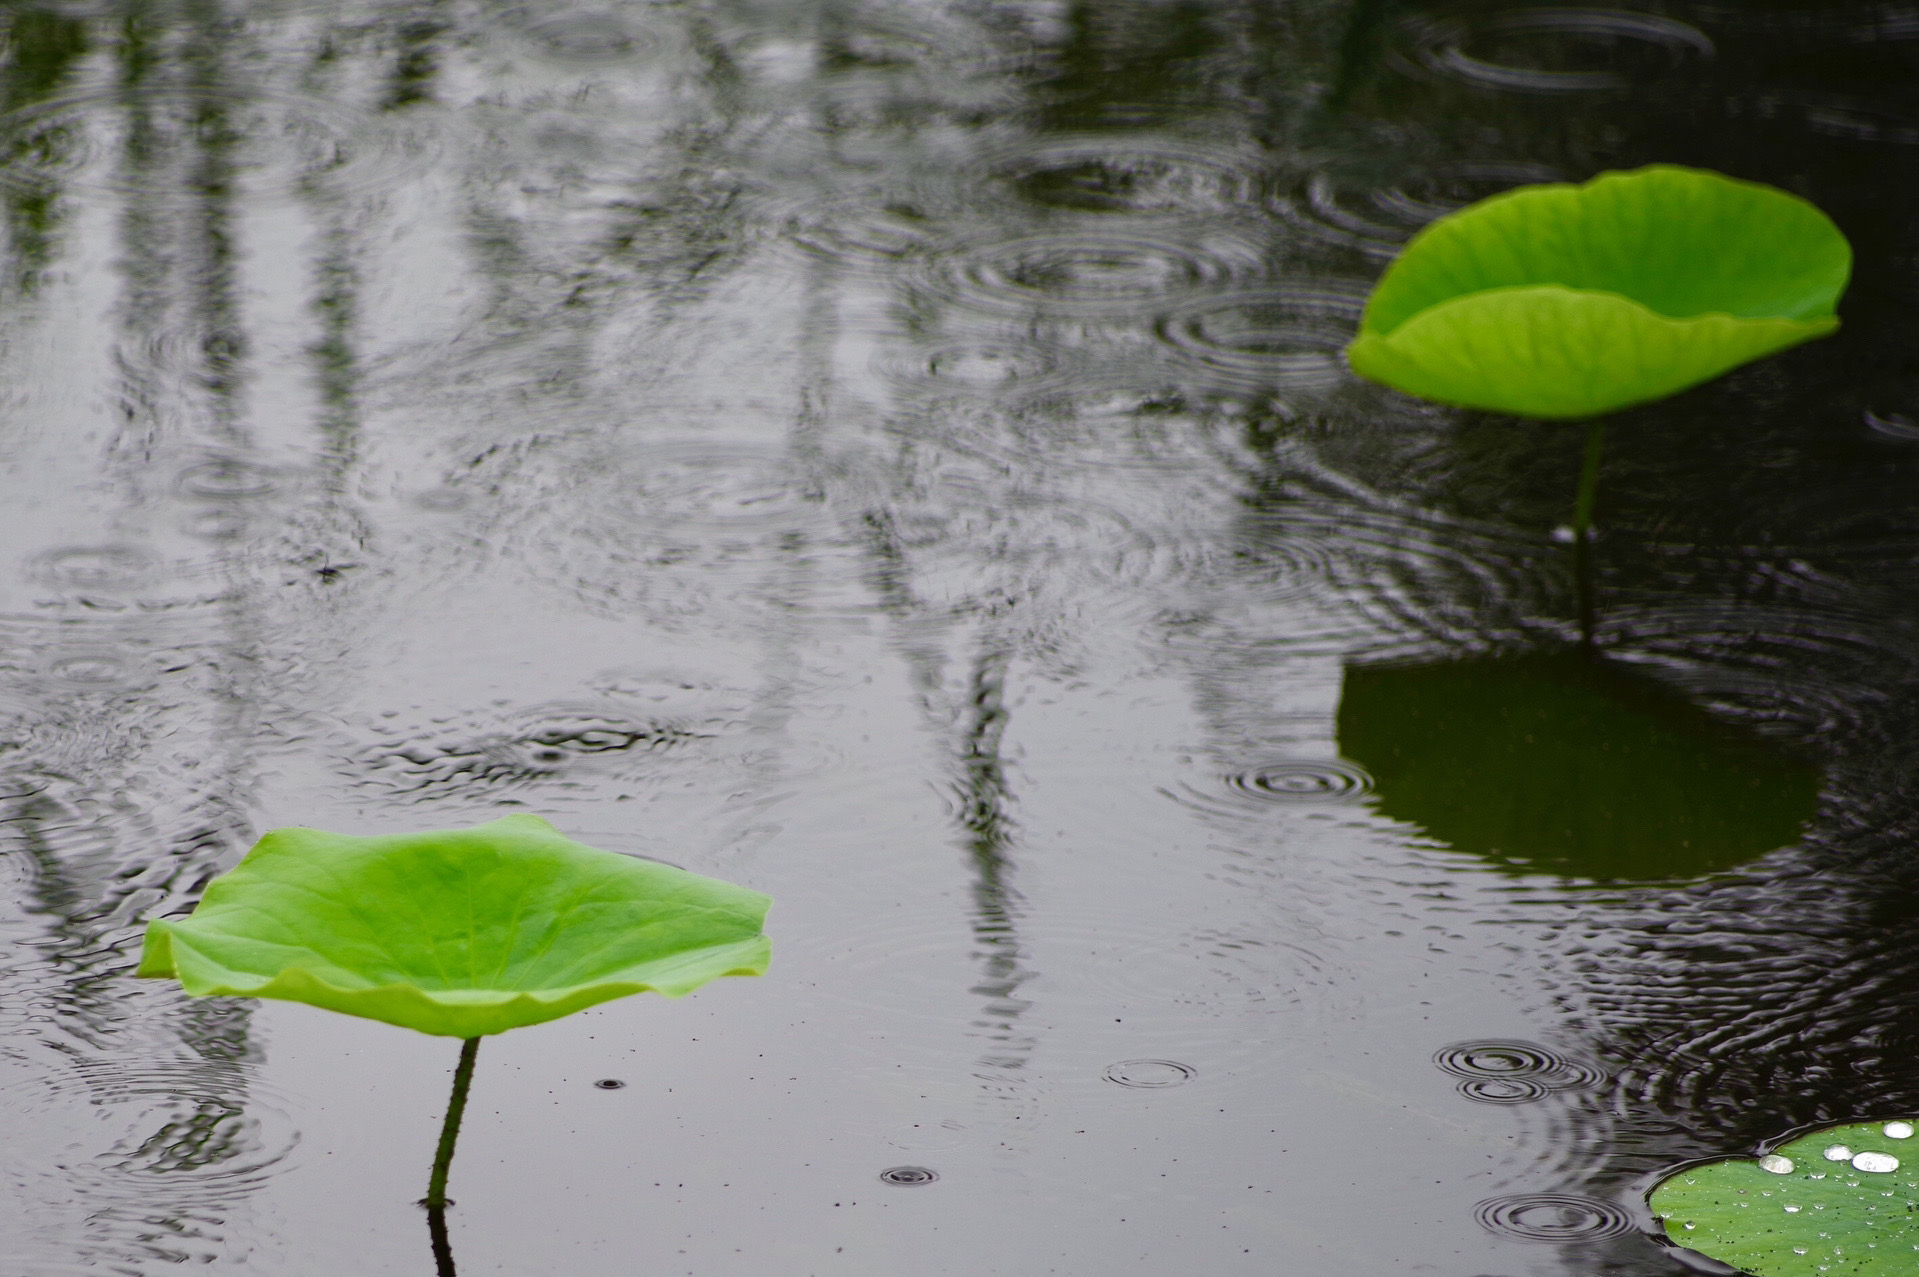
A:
[899,457]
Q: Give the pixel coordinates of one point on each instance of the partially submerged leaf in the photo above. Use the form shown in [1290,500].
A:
[1843,1202]
[1563,301]
[1564,765]
[460,932]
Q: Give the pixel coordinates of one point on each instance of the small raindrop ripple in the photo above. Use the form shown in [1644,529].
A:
[1551,50]
[1150,1074]
[1552,1217]
[1377,218]
[1128,175]
[1302,781]
[1288,337]
[1495,1071]
[1090,273]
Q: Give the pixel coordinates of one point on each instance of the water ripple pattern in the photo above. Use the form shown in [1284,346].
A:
[183,1140]
[1378,219]
[593,36]
[671,528]
[543,745]
[1210,997]
[1289,337]
[1092,273]
[900,456]
[1847,117]
[973,369]
[856,229]
[1510,1072]
[1553,1217]
[1093,173]
[75,141]
[1302,781]
[1550,50]
[1150,1075]
[98,568]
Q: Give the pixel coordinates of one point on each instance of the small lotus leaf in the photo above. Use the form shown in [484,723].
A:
[461,932]
[1826,1215]
[1563,301]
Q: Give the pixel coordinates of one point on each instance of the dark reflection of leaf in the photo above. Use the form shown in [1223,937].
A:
[44,48]
[1558,764]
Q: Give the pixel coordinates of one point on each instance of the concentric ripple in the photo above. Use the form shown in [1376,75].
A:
[1291,781]
[985,368]
[97,568]
[96,669]
[1088,273]
[1496,1071]
[1377,220]
[277,143]
[854,229]
[189,1130]
[1290,337]
[227,479]
[587,34]
[1150,1074]
[1504,1090]
[1899,426]
[1099,173]
[1552,50]
[1552,1217]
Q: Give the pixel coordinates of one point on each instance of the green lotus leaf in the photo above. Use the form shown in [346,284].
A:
[461,932]
[1842,1202]
[1562,301]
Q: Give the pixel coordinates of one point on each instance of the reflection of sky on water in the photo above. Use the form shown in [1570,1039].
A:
[900,460]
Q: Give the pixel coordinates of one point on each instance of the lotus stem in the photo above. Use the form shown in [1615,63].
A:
[1582,532]
[442,1247]
[450,1132]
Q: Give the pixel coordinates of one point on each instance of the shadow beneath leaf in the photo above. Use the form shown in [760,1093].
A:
[1562,765]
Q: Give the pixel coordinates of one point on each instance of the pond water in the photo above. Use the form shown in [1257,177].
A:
[897,456]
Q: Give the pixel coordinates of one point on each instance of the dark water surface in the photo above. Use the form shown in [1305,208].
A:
[897,456]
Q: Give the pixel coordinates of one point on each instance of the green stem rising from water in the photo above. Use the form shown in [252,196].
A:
[1582,532]
[450,1132]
